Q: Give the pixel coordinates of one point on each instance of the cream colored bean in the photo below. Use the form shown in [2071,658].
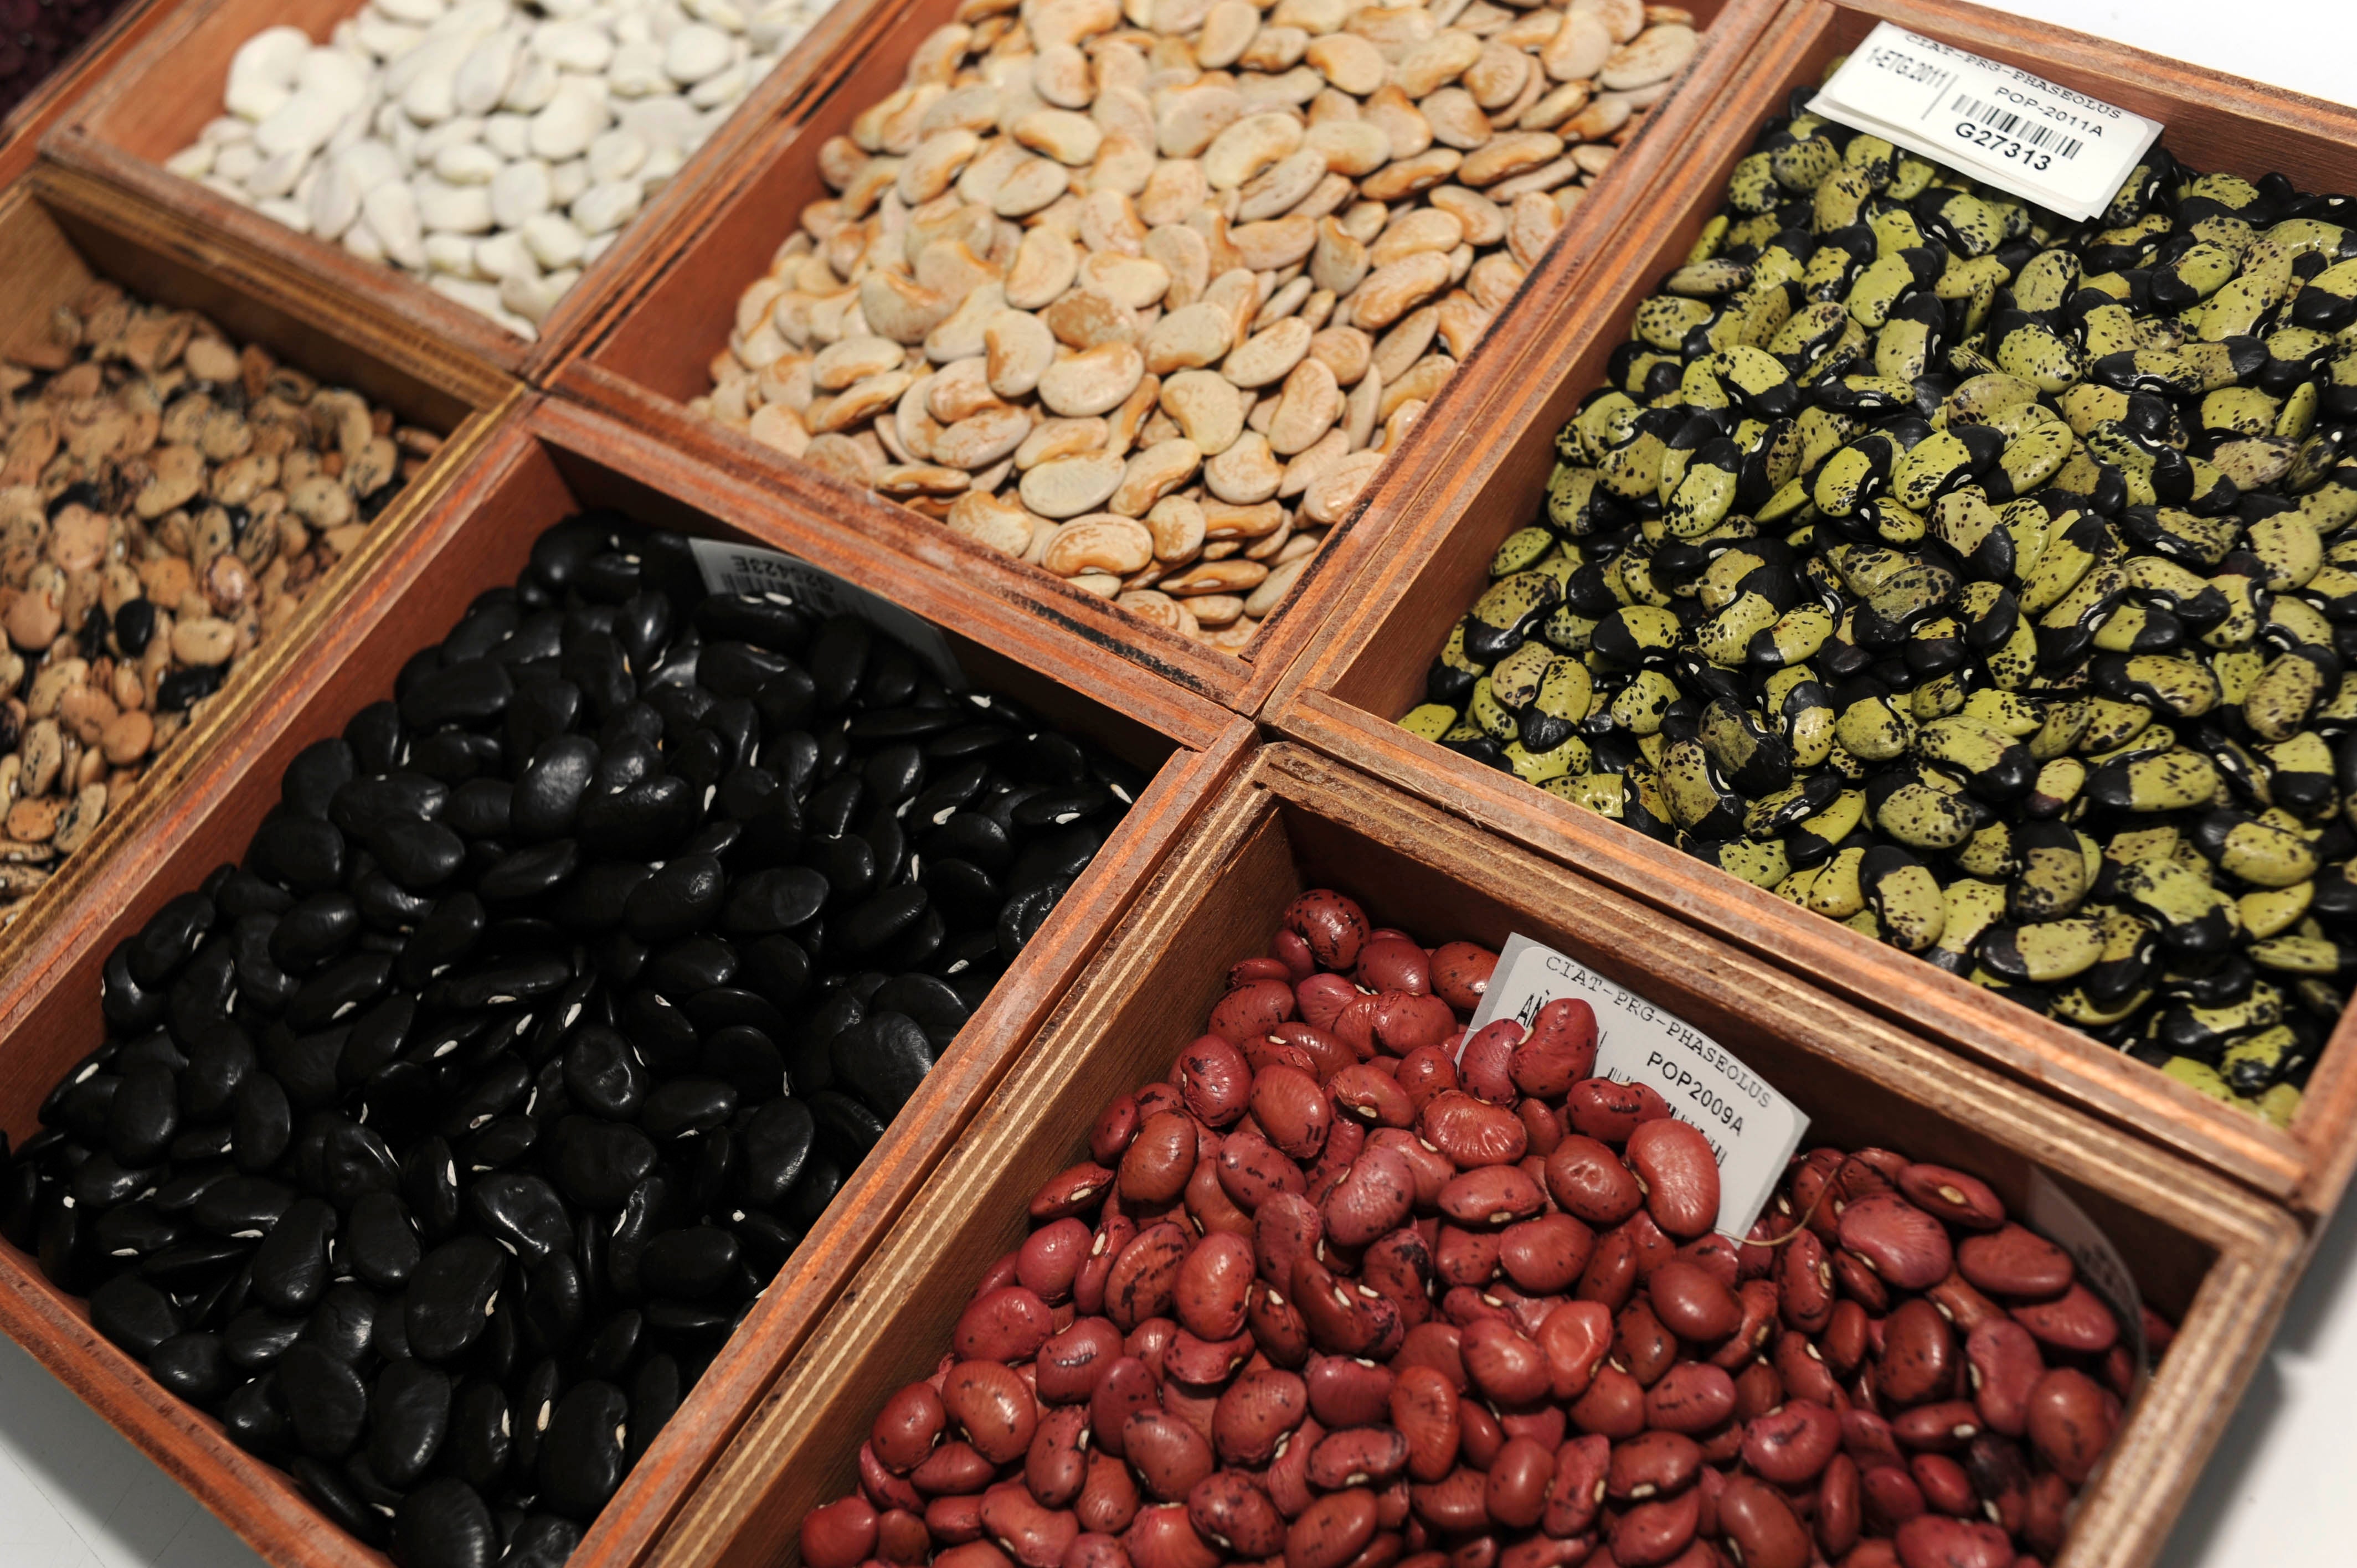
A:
[1246,473]
[1249,145]
[1101,541]
[1054,438]
[1017,350]
[1208,409]
[1153,474]
[1068,487]
[1092,381]
[1654,55]
[1455,120]
[1307,408]
[1188,338]
[1045,264]
[1267,357]
[991,522]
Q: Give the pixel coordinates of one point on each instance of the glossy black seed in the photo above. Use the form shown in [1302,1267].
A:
[644,820]
[732,1006]
[503,1082]
[685,1105]
[125,1004]
[386,906]
[581,1451]
[665,1038]
[1024,915]
[500,1143]
[445,1524]
[972,837]
[654,1399]
[134,1313]
[326,1402]
[290,1267]
[523,1212]
[261,984]
[449,1296]
[355,1161]
[169,937]
[420,856]
[776,900]
[366,804]
[555,1302]
[747,1059]
[194,1366]
[380,1241]
[678,900]
[252,1417]
[501,983]
[466,692]
[135,1230]
[306,856]
[101,1181]
[256,1339]
[644,1212]
[689,1265]
[143,1114]
[242,1205]
[344,1323]
[409,1414]
[603,1073]
[871,928]
[305,1065]
[853,1124]
[261,1123]
[599,1162]
[314,931]
[480,1435]
[531,873]
[883,1059]
[341,989]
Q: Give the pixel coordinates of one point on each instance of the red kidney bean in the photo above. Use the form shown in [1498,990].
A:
[1589,1181]
[2015,1263]
[1276,1326]
[1545,1130]
[1071,1363]
[1962,1304]
[1472,1132]
[1035,1536]
[1652,1245]
[1919,1355]
[1057,1461]
[1232,1511]
[1680,1176]
[1164,1537]
[1468,1258]
[1331,1531]
[1109,1499]
[1948,1424]
[1423,1410]
[881,1487]
[1145,1278]
[1491,1196]
[955,1467]
[1426,1073]
[1289,950]
[1547,1254]
[1946,1486]
[954,1521]
[1344,1319]
[1255,1415]
[2070,1420]
[1073,1190]
[2077,1321]
[1359,1456]
[906,1428]
[1609,1110]
[1399,1265]
[840,1535]
[1051,1257]
[1399,1023]
[1395,964]
[1208,1204]
[992,1406]
[1460,973]
[1432,1169]
[1751,1336]
[1640,1344]
[1961,1200]
[1215,1079]
[1805,1279]
[1251,1010]
[1844,1341]
[1372,1095]
[1793,1445]
[1758,1390]
[1691,1303]
[1335,928]
[1482,1063]
[1614,1404]
[1610,1276]
[1906,1248]
[1345,1392]
[1655,1532]
[1720,1256]
[1840,1511]
[1433,1345]
[2005,1365]
[1691,1397]
[1456,1504]
[1375,1195]
[1211,1294]
[1652,1464]
[1251,1169]
[1890,1497]
[1127,1387]
[1272,968]
[1515,1490]
[1115,1125]
[1761,1526]
[901,1537]
[1158,1161]
[1008,1324]
[1319,999]
[1168,1454]
[1801,1368]
[1559,1051]
[1154,1099]
[1285,1228]
[1503,1365]
[1931,1541]
[1291,1110]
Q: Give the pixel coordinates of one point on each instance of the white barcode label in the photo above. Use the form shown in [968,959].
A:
[2041,141]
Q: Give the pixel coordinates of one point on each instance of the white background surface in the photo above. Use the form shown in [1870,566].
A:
[73,1494]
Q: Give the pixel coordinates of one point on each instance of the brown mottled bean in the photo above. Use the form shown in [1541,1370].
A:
[1961,1200]
[1232,1511]
[1393,962]
[1946,1486]
[1918,1360]
[1251,1010]
[1144,1277]
[1372,1095]
[1376,1194]
[1491,1196]
[1940,1427]
[1614,1404]
[1680,1176]
[1504,1366]
[1035,1535]
[1334,926]
[1516,1488]
[1008,1325]
[1210,1295]
[1423,1410]
[1071,1363]
[1331,1531]
[1559,1051]
[1609,1111]
[1546,1255]
[1291,1110]
[1251,1168]
[1057,1464]
[1128,1386]
[992,1406]
[1691,1303]
[1425,1074]
[1641,1344]
[1930,1540]
[1589,1181]
[1691,1397]
[2070,1420]
[1215,1079]
[2005,1365]
[1345,1392]
[906,1428]
[1652,1464]
[2077,1320]
[1254,1414]
[1070,1192]
[1460,973]
[1655,1532]
[2015,1263]
[1610,1276]
[1168,1454]
[1358,1457]
[840,1534]
[1051,1257]
[1163,1538]
[1470,1132]
[1109,1498]
[1906,1248]
[1761,1526]
[1791,1446]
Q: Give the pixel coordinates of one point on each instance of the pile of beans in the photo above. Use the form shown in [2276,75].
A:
[435,1147]
[492,148]
[167,503]
[37,37]
[1978,579]
[1144,293]
[1331,1295]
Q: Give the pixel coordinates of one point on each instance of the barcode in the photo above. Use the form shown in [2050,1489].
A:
[2006,123]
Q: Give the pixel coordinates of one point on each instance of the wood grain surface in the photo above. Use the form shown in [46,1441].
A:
[1344,695]
[546,461]
[2205,1251]
[153,101]
[656,351]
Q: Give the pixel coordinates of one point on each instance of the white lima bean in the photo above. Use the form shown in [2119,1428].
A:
[492,148]
[1142,292]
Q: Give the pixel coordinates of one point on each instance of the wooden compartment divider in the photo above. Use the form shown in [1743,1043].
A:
[2206,1252]
[653,351]
[1345,695]
[59,231]
[155,101]
[545,462]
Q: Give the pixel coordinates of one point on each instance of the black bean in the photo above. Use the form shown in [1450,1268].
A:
[691,1264]
[134,1313]
[242,1205]
[599,1162]
[194,1366]
[481,1435]
[522,1212]
[685,1105]
[678,900]
[603,1073]
[445,1524]
[261,1123]
[143,1114]
[409,1414]
[449,1296]
[290,1267]
[580,1460]
[343,988]
[344,1323]
[256,1339]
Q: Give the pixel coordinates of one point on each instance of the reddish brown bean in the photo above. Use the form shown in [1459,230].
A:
[1919,1355]
[1399,1265]
[1460,973]
[1547,1254]
[1424,1074]
[1008,1324]
[1793,1445]
[901,1537]
[1331,1531]
[1468,1258]
[2077,1321]
[1251,1169]
[1358,1457]
[906,1428]
[1276,1326]
[1336,929]
[1642,1344]
[1232,1511]
[1607,1111]
[1890,1497]
[1652,1464]
[1680,1176]
[1345,1392]
[1400,1022]
[2015,1263]
[954,1521]
[1614,1404]
[1285,1228]
[1840,1506]
[1145,1278]
[1127,1387]
[1291,1110]
[1068,1365]
[1109,1499]
[1961,1303]
[1491,1196]
[1164,1537]
[1115,1125]
[1761,1526]
[1160,1160]
[956,1468]
[1072,1191]
[884,1489]
[1344,1319]
[1946,1486]
[1051,1257]
[2005,1365]
[1503,1365]
[1545,1130]
[1758,1390]
[1801,1368]
[1930,1540]
[1211,1292]
[1472,1132]
[1906,1248]
[1318,999]
[1482,1063]
[1610,1276]
[1255,1415]
[1587,1179]
[1559,1051]
[1423,1410]
[1961,1200]
[1034,1536]
[1805,1281]
[1457,1505]
[1655,1532]
[1376,1194]
[2070,1420]
[1168,1454]
[1116,1232]
[1216,1080]
[1844,1341]
[1691,1397]
[1058,1462]
[1938,1427]
[1372,1095]
[1691,1303]
[1251,1010]
[1751,1336]
[1395,964]
[1515,1491]
[840,1535]
[993,1407]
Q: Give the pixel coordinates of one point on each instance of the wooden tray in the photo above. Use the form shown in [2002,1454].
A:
[58,232]
[153,103]
[2205,1253]
[20,133]
[541,464]
[1344,695]
[653,356]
